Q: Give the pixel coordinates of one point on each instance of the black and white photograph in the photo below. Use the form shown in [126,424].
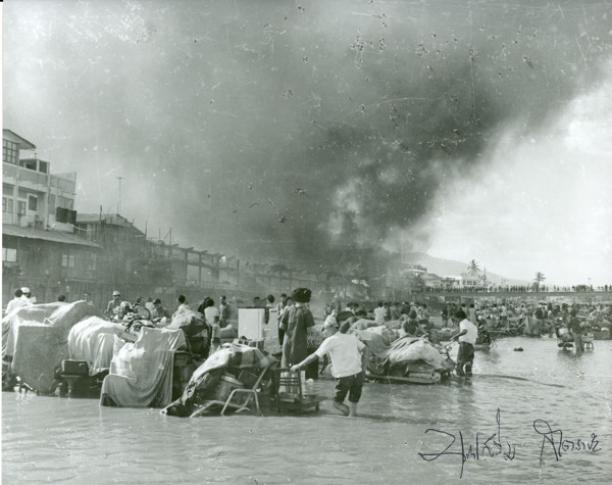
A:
[310,242]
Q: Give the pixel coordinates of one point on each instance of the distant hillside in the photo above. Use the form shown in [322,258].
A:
[449,267]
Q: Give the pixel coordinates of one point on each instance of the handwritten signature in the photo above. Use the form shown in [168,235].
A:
[494,445]
[562,445]
[483,446]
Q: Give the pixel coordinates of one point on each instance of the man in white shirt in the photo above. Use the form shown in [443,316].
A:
[346,355]
[17,302]
[468,334]
[379,313]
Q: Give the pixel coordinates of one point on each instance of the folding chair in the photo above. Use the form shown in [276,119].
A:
[251,393]
[251,396]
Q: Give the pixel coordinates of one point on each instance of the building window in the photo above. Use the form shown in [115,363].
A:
[10,153]
[9,255]
[43,166]
[30,163]
[21,207]
[32,203]
[92,262]
[68,260]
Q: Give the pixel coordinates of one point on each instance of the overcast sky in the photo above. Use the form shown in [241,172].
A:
[304,130]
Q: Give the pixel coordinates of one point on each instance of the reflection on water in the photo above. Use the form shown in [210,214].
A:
[75,441]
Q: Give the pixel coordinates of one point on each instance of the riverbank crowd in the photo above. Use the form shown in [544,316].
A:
[502,317]
[342,341]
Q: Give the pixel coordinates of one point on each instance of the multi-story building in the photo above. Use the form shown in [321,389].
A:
[31,195]
[39,248]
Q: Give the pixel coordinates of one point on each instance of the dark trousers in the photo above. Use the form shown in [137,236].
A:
[350,385]
[578,343]
[465,359]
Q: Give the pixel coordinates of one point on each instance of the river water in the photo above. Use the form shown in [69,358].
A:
[53,440]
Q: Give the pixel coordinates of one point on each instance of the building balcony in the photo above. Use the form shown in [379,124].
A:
[24,177]
[9,171]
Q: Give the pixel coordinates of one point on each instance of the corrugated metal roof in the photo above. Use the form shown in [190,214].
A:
[54,236]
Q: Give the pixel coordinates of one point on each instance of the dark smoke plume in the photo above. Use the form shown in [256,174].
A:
[300,133]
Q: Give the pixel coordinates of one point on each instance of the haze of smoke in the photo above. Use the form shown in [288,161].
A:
[306,134]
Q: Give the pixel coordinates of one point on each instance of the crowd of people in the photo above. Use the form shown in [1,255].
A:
[302,348]
[508,317]
[202,322]
[542,318]
[533,288]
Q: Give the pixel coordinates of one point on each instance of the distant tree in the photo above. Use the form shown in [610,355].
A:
[473,269]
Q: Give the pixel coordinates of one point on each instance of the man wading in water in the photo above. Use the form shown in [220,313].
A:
[346,354]
[468,334]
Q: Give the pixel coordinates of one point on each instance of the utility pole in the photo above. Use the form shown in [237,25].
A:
[48,197]
[119,179]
